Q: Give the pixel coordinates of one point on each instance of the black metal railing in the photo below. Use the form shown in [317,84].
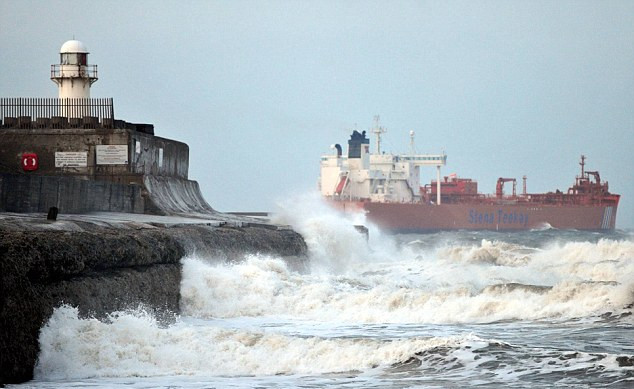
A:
[72,71]
[23,112]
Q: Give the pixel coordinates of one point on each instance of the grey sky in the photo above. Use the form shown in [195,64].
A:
[259,90]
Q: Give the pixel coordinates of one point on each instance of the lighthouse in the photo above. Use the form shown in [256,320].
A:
[73,75]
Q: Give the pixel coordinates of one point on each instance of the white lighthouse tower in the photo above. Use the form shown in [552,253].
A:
[73,75]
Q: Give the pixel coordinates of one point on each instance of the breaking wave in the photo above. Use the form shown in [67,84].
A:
[440,281]
[415,292]
[354,287]
[133,344]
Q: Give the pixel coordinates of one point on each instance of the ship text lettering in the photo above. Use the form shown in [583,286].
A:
[500,217]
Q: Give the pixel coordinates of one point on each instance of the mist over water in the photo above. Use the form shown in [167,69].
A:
[537,308]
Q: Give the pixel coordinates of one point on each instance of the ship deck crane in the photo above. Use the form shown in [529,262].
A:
[499,188]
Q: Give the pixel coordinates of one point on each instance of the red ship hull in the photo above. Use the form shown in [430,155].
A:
[386,188]
[418,217]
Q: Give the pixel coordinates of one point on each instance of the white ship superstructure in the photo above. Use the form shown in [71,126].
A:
[380,177]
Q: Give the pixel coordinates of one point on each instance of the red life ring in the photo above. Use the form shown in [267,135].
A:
[29,162]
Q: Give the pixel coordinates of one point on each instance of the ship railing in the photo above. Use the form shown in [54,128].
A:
[557,199]
[569,199]
[56,113]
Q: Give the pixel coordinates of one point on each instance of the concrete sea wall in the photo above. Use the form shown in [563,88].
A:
[79,170]
[146,154]
[36,193]
[101,267]
[159,195]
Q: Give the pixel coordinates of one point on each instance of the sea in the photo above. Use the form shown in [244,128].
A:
[541,308]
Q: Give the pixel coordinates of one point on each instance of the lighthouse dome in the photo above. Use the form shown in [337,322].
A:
[73,46]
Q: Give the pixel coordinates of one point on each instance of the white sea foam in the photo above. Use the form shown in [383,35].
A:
[354,285]
[492,252]
[380,282]
[445,282]
[415,291]
[132,344]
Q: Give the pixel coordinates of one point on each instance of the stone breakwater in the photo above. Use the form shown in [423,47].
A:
[101,267]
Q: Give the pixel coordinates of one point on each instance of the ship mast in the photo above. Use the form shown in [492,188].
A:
[582,163]
[378,130]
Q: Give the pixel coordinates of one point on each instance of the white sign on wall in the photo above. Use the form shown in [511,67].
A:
[112,154]
[71,159]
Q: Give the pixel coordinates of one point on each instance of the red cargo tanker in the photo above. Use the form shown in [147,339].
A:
[381,185]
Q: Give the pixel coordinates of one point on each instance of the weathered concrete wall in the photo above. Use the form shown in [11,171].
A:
[147,158]
[103,269]
[45,142]
[158,162]
[26,193]
[159,195]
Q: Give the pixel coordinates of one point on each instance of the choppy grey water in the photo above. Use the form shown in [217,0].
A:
[532,309]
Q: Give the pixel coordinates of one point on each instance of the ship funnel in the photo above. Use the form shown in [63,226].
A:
[354,144]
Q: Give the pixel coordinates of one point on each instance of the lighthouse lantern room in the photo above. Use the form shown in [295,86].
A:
[73,75]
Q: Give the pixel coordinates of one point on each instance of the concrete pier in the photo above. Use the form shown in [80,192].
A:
[105,262]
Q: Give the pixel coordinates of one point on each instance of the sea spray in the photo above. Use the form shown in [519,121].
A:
[335,246]
[249,288]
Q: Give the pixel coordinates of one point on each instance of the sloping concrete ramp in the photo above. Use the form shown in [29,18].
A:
[169,195]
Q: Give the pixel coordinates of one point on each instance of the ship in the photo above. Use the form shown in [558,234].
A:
[386,187]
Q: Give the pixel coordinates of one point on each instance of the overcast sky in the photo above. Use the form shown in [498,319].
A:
[260,89]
